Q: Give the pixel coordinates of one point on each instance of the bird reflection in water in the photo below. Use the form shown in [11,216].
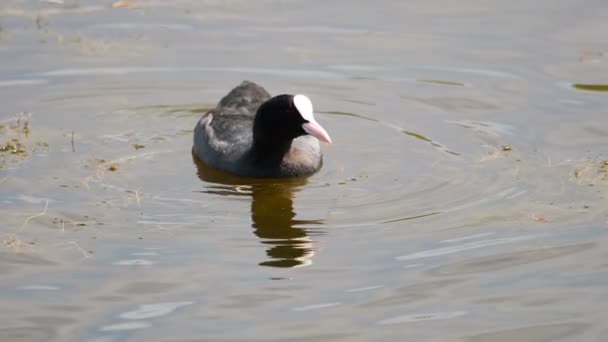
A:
[272,214]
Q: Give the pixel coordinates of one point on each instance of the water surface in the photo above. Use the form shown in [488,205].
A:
[463,199]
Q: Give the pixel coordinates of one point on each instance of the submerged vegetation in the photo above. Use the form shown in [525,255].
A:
[430,141]
[14,141]
[443,82]
[13,146]
[349,114]
[590,87]
[591,172]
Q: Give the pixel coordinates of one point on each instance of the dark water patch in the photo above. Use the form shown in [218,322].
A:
[27,334]
[50,320]
[363,78]
[495,300]
[253,300]
[287,338]
[410,294]
[506,260]
[472,71]
[359,116]
[23,82]
[23,258]
[420,317]
[442,82]
[39,287]
[141,26]
[93,96]
[357,101]
[194,109]
[110,298]
[66,308]
[535,333]
[432,142]
[104,71]
[146,287]
[540,302]
[434,252]
[395,127]
[456,104]
[316,29]
[494,129]
[412,217]
[590,87]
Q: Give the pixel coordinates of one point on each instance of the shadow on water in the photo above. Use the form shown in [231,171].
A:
[272,213]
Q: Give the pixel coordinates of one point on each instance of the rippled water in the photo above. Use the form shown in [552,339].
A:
[463,199]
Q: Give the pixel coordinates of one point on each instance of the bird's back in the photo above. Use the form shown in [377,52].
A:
[224,134]
[247,98]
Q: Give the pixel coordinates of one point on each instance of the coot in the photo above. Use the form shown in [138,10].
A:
[251,134]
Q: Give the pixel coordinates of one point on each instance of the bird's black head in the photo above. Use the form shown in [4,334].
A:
[285,117]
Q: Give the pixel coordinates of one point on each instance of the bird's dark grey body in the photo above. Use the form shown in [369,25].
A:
[224,139]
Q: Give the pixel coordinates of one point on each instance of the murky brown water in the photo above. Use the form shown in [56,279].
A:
[464,198]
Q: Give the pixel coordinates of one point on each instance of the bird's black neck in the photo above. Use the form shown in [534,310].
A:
[269,152]
[275,126]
